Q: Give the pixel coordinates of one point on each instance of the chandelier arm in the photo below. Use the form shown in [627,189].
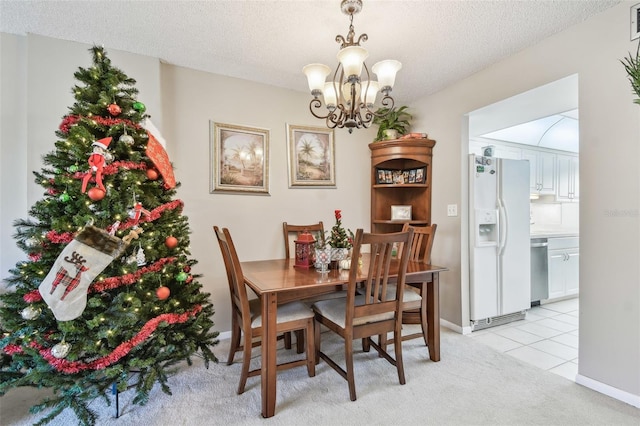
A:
[363,37]
[317,103]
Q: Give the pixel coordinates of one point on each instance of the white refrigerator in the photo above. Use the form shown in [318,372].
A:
[499,242]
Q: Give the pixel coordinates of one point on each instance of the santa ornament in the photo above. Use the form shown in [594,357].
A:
[64,289]
[96,163]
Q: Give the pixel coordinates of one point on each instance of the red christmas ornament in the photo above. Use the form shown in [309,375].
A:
[163,292]
[171,242]
[96,194]
[114,109]
[152,174]
[187,268]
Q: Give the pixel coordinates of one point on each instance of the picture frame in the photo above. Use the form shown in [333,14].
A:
[239,159]
[420,174]
[401,212]
[311,157]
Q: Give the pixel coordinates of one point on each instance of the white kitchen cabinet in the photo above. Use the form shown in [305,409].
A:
[542,171]
[563,260]
[568,178]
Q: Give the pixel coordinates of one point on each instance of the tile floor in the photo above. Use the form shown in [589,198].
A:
[547,338]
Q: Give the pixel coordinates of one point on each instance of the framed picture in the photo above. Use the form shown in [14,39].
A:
[400,212]
[311,155]
[380,178]
[239,159]
[420,175]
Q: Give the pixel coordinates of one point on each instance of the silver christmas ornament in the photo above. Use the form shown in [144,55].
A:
[126,139]
[140,257]
[31,242]
[30,312]
[61,350]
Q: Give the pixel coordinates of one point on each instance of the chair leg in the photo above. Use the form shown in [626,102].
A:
[397,339]
[300,341]
[423,324]
[246,359]
[287,340]
[316,332]
[235,338]
[348,358]
[311,348]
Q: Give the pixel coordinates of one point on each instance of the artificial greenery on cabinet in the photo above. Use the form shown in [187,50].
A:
[106,292]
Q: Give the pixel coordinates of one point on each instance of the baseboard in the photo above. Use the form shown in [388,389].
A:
[455,327]
[616,393]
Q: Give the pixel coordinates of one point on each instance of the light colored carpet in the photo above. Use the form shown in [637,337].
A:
[472,385]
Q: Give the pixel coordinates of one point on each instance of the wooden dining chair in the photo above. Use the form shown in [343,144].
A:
[315,228]
[290,234]
[246,319]
[368,310]
[414,309]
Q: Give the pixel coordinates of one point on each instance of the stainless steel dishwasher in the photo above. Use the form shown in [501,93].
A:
[539,271]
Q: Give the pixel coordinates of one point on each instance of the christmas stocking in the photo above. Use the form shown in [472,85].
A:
[65,286]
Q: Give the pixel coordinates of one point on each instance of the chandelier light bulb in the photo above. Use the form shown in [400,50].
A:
[316,75]
[330,97]
[386,72]
[369,92]
[351,58]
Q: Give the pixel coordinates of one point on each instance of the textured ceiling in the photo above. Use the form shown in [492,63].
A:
[438,42]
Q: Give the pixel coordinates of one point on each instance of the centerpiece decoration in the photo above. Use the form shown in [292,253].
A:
[340,240]
[322,253]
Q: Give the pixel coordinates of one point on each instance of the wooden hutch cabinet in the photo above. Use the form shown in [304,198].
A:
[400,176]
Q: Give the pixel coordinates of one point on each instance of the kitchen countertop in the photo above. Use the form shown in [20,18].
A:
[553,233]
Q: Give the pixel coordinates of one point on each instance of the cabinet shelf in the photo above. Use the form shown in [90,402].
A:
[404,155]
[401,222]
[400,185]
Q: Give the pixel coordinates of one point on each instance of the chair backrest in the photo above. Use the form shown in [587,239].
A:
[317,229]
[422,242]
[379,303]
[237,288]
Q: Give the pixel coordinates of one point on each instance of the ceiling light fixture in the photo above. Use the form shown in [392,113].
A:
[349,99]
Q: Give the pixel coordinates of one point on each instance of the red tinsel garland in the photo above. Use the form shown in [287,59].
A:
[110,283]
[155,214]
[114,167]
[63,237]
[120,351]
[71,120]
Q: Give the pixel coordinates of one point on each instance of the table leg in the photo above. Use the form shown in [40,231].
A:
[269,367]
[433,320]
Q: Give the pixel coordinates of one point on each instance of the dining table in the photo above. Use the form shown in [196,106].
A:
[277,281]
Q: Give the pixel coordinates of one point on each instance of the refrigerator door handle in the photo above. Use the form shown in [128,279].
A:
[504,225]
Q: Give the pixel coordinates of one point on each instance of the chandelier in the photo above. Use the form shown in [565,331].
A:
[350,96]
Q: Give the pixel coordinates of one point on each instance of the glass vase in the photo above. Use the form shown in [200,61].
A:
[323,258]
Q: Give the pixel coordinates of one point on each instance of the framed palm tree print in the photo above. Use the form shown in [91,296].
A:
[311,153]
[240,159]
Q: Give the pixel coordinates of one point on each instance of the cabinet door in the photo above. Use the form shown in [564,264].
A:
[568,178]
[575,174]
[556,273]
[564,178]
[547,172]
[532,157]
[572,271]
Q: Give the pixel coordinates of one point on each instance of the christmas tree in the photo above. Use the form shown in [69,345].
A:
[107,292]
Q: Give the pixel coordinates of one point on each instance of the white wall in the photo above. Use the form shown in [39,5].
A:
[610,178]
[13,147]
